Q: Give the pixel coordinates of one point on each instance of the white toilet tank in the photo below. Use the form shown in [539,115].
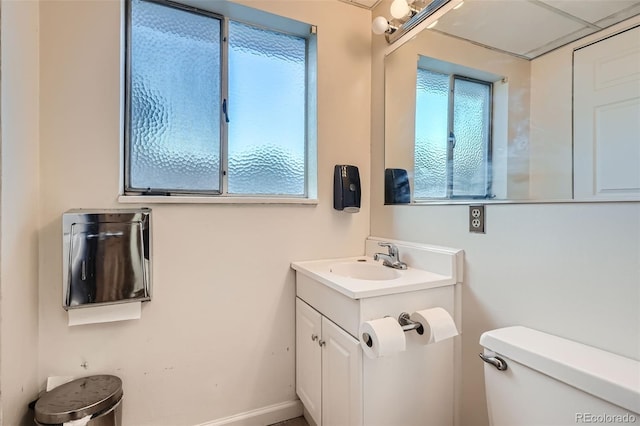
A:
[554,381]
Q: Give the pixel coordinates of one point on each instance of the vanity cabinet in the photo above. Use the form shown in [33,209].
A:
[328,369]
[338,384]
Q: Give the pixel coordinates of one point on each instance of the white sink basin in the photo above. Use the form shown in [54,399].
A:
[361,269]
[360,277]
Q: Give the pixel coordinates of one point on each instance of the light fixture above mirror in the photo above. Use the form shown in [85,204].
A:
[406,15]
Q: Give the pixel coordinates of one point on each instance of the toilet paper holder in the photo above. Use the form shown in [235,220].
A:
[405,323]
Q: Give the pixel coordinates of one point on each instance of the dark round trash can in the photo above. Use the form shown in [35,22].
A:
[97,396]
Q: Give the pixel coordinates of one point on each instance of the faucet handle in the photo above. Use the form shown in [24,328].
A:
[393,249]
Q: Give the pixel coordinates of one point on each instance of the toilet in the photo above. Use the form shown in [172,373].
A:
[537,379]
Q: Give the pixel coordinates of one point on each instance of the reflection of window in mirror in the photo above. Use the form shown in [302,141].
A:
[452,136]
[458,135]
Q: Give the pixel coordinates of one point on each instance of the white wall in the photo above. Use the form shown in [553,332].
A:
[218,337]
[19,210]
[567,269]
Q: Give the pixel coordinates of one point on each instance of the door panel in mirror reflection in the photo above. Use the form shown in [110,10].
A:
[607,117]
[529,147]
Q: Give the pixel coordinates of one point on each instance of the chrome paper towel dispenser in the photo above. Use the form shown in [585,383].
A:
[106,257]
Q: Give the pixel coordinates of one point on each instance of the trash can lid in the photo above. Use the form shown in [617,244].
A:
[79,398]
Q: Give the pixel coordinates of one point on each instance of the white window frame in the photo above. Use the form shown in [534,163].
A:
[229,11]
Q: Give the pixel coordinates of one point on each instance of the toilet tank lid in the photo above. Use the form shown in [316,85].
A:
[612,377]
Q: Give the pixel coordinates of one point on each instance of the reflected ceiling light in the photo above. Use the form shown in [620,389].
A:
[406,14]
[433,24]
[458,6]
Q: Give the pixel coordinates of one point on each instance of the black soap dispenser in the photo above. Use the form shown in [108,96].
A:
[346,188]
[396,187]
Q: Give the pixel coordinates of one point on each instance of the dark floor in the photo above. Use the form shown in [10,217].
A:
[298,421]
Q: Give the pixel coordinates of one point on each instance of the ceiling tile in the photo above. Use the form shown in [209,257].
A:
[492,23]
[367,4]
[591,10]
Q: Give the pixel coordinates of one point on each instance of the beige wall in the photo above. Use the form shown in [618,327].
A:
[218,337]
[566,269]
[19,210]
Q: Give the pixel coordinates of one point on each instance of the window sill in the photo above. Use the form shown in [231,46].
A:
[177,199]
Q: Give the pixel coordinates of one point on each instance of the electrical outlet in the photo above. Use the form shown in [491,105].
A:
[476,219]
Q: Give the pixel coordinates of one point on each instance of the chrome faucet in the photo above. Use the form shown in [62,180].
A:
[392,259]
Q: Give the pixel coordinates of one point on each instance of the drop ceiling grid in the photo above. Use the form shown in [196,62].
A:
[498,29]
[591,11]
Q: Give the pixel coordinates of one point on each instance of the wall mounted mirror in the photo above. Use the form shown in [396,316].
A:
[503,101]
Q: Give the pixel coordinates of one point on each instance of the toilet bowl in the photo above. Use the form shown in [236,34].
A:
[536,379]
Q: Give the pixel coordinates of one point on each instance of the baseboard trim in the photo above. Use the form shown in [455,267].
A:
[262,416]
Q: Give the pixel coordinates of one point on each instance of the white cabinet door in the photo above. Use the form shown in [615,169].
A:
[341,377]
[606,108]
[309,359]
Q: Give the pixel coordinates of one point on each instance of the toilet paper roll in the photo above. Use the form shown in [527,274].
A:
[381,337]
[437,325]
[105,313]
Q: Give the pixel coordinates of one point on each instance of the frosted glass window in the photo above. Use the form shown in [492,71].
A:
[471,118]
[452,156]
[174,140]
[267,106]
[210,115]
[432,129]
